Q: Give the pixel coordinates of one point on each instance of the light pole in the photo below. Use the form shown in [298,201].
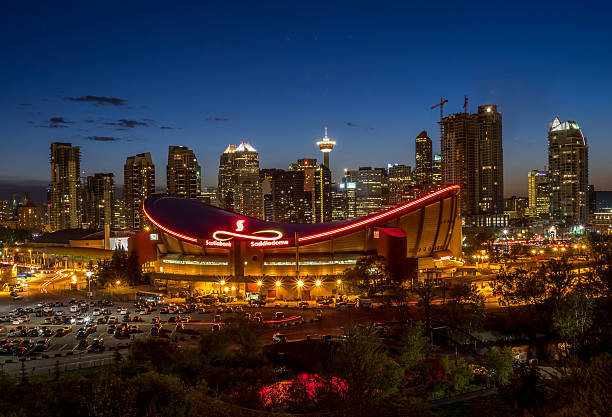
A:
[88,274]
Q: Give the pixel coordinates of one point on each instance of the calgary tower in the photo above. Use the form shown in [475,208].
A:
[326,145]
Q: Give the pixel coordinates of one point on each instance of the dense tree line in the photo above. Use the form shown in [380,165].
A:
[122,267]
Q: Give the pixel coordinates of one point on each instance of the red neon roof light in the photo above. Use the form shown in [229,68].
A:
[379,216]
[364,222]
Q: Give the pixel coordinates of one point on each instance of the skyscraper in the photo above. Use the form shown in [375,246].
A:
[569,172]
[239,186]
[138,184]
[490,160]
[538,193]
[423,154]
[322,194]
[326,145]
[183,173]
[436,171]
[400,182]
[65,187]
[308,166]
[225,189]
[368,189]
[286,195]
[98,201]
[472,157]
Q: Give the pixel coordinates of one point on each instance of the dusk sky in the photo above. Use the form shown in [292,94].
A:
[127,77]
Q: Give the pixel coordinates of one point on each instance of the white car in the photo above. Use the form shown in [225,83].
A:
[17,321]
[96,312]
[123,311]
[74,308]
[4,319]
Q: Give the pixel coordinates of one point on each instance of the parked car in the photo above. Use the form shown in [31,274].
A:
[279,338]
[42,345]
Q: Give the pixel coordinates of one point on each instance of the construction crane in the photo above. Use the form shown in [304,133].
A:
[465,101]
[441,105]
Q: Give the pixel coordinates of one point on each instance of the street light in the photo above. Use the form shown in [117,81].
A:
[259,283]
[318,283]
[278,283]
[222,282]
[339,282]
[88,274]
[300,283]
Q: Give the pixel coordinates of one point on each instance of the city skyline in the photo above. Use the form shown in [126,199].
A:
[224,93]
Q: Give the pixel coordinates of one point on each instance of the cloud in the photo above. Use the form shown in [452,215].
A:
[165,127]
[351,124]
[104,138]
[25,104]
[98,100]
[217,119]
[56,122]
[90,121]
[124,123]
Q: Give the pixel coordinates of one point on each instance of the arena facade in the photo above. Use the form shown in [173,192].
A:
[218,251]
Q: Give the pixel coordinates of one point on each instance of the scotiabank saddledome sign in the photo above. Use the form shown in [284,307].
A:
[257,239]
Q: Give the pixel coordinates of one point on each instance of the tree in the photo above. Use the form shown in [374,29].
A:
[499,363]
[367,276]
[558,278]
[362,361]
[574,318]
[414,348]
[506,285]
[459,375]
[466,308]
[424,290]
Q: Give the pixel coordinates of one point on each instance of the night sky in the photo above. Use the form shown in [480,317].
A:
[128,77]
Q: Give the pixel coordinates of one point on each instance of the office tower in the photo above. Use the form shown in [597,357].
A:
[284,196]
[423,154]
[5,211]
[490,160]
[592,199]
[326,145]
[516,207]
[239,186]
[400,182]
[539,194]
[183,173]
[209,196]
[29,217]
[308,166]
[569,172]
[472,157]
[65,187]
[98,200]
[138,184]
[368,189]
[436,171]
[225,189]
[119,219]
[322,194]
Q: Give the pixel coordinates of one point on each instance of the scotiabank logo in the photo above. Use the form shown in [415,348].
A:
[218,243]
[262,243]
[259,235]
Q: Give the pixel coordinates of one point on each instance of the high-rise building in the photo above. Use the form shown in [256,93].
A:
[239,186]
[225,189]
[138,184]
[29,217]
[569,172]
[65,187]
[515,207]
[184,178]
[472,156]
[308,166]
[99,200]
[400,182]
[423,153]
[326,145]
[6,212]
[284,196]
[368,189]
[538,193]
[436,171]
[209,196]
[119,220]
[322,195]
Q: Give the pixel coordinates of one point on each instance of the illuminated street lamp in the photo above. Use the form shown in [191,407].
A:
[226,289]
[88,274]
[318,283]
[259,283]
[117,282]
[278,283]
[300,283]
[233,288]
[222,282]
[339,282]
